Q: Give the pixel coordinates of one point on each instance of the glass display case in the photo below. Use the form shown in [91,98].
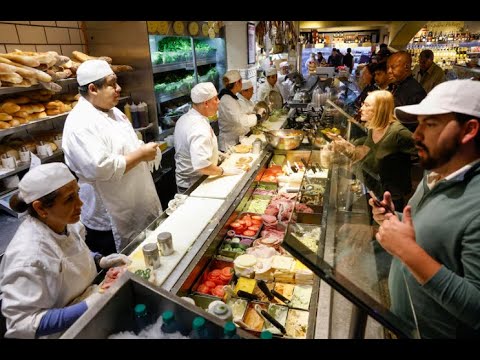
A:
[179,63]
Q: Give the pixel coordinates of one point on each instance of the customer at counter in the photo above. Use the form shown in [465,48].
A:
[426,72]
[233,122]
[436,243]
[384,160]
[47,264]
[101,147]
[196,148]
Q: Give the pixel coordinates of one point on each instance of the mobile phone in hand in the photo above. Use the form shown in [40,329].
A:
[379,204]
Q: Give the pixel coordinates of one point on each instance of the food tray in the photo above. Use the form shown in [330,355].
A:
[242,234]
[215,264]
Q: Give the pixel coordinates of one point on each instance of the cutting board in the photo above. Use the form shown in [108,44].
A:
[219,187]
[185,224]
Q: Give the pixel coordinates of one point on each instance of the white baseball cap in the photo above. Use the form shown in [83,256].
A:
[460,96]
[92,70]
[232,76]
[42,180]
[271,71]
[203,92]
[246,84]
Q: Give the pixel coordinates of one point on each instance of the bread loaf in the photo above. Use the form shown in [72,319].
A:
[20,114]
[13,78]
[121,68]
[54,104]
[9,107]
[24,71]
[22,59]
[51,112]
[4,125]
[51,86]
[14,123]
[20,100]
[5,117]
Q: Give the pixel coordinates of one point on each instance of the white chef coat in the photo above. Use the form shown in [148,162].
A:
[265,89]
[284,85]
[195,147]
[232,122]
[246,105]
[42,270]
[95,144]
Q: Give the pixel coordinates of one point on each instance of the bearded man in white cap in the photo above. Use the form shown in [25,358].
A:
[269,85]
[101,147]
[233,121]
[436,243]
[47,263]
[196,148]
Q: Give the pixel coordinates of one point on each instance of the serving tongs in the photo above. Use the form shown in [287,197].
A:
[266,316]
[247,295]
[280,296]
[262,285]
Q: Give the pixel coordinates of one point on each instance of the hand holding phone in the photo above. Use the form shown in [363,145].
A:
[377,203]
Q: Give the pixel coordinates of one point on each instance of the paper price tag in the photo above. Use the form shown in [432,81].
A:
[34,160]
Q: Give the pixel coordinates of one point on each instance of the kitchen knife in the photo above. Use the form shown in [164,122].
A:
[262,285]
[280,296]
[247,295]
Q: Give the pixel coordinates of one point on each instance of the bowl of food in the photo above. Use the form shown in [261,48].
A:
[285,139]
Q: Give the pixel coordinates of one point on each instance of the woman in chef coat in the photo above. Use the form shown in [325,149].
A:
[196,148]
[245,97]
[47,263]
[269,85]
[233,122]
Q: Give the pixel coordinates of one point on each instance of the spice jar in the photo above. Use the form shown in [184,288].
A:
[165,244]
[151,255]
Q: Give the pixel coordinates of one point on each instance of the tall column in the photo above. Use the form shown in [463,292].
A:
[237,50]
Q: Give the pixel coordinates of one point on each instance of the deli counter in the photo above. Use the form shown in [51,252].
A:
[288,246]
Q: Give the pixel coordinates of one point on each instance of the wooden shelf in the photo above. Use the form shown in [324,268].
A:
[32,124]
[23,166]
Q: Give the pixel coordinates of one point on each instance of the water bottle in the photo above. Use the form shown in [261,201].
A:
[169,324]
[199,329]
[230,331]
[141,317]
[265,334]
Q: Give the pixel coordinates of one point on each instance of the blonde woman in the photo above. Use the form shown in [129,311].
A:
[385,157]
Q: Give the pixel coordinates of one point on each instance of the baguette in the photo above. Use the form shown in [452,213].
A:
[9,107]
[82,57]
[24,71]
[5,117]
[51,86]
[13,78]
[22,59]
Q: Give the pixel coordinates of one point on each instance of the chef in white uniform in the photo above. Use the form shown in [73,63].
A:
[269,85]
[232,119]
[103,150]
[284,83]
[196,148]
[245,97]
[47,263]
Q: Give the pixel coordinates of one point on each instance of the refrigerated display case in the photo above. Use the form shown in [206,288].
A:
[320,246]
[178,64]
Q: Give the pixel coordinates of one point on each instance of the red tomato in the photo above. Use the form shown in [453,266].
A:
[218,291]
[203,289]
[249,233]
[210,284]
[216,272]
[235,225]
[256,222]
[256,217]
[254,228]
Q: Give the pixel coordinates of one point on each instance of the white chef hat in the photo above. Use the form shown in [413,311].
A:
[232,76]
[271,71]
[42,180]
[284,64]
[202,92]
[246,84]
[92,70]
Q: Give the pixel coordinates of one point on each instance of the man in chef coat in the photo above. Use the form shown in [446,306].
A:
[269,85]
[196,147]
[116,187]
[245,97]
[284,82]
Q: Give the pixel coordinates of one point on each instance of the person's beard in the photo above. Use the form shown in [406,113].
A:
[443,156]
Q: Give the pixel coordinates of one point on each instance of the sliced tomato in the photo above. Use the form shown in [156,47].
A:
[218,291]
[203,289]
[254,228]
[256,222]
[256,217]
[249,233]
[216,273]
[227,270]
[210,284]
[235,225]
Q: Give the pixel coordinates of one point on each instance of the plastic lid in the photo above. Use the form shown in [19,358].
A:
[265,334]
[198,323]
[230,329]
[140,309]
[220,309]
[168,316]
